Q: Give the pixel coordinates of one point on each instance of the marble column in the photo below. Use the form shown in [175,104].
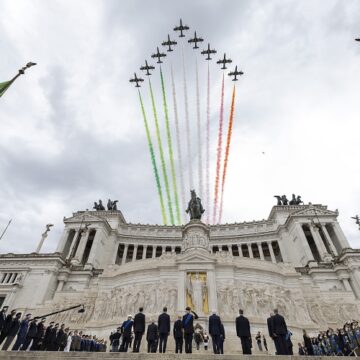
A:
[346,284]
[318,241]
[304,243]
[271,250]
[73,244]
[135,252]
[212,291]
[63,240]
[251,255]
[260,251]
[240,251]
[181,290]
[329,240]
[60,285]
[340,236]
[144,251]
[123,261]
[154,252]
[95,249]
[80,250]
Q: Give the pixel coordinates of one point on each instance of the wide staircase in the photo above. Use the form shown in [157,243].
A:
[42,355]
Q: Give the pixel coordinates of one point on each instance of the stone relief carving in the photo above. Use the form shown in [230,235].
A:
[124,300]
[196,238]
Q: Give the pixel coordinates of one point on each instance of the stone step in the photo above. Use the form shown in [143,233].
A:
[41,355]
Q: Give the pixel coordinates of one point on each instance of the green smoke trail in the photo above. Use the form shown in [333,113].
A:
[163,165]
[168,134]
[153,161]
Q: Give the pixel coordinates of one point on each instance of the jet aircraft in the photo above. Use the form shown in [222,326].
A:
[158,55]
[208,52]
[235,73]
[195,40]
[357,39]
[147,68]
[181,28]
[137,80]
[224,61]
[169,43]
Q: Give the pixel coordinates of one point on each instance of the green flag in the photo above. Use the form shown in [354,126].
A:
[4,86]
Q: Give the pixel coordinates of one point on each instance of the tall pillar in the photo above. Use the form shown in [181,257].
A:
[154,252]
[95,249]
[80,250]
[135,252]
[144,251]
[304,242]
[211,284]
[181,290]
[329,240]
[123,261]
[73,244]
[63,240]
[240,251]
[340,235]
[319,242]
[251,255]
[273,258]
[260,251]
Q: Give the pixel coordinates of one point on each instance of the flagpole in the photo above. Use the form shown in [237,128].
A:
[3,233]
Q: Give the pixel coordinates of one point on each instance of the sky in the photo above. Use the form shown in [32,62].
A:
[71,129]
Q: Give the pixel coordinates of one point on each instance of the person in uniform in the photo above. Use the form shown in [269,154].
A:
[3,317]
[30,336]
[52,337]
[24,327]
[139,329]
[152,337]
[115,340]
[126,331]
[178,332]
[188,325]
[279,330]
[14,328]
[7,325]
[40,333]
[243,332]
[164,330]
[214,331]
[46,344]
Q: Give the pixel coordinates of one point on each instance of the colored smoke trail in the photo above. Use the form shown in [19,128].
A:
[231,121]
[163,165]
[153,162]
[198,118]
[169,141]
[208,147]
[187,124]
[178,143]
[219,150]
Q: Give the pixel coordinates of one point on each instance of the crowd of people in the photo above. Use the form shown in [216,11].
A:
[339,342]
[32,334]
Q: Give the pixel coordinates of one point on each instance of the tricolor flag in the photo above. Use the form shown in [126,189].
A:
[4,86]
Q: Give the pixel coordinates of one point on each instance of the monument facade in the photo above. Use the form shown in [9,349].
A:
[297,260]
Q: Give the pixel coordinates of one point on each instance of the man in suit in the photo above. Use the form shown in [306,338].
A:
[30,336]
[178,332]
[214,331]
[126,331]
[24,327]
[188,325]
[139,329]
[7,325]
[152,337]
[222,338]
[279,329]
[40,333]
[164,330]
[243,332]
[52,337]
[269,324]
[14,328]
[3,316]
[46,342]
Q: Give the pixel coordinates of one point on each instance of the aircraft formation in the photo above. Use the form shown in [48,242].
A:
[170,44]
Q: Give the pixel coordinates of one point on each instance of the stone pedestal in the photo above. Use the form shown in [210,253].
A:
[196,236]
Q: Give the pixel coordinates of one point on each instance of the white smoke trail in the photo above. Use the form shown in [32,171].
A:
[198,118]
[208,148]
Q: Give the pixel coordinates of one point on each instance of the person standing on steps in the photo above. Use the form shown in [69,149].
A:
[14,328]
[126,331]
[164,330]
[214,331]
[243,332]
[279,329]
[152,337]
[188,324]
[139,329]
[24,327]
[178,333]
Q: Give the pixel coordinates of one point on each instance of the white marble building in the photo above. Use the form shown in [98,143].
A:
[297,260]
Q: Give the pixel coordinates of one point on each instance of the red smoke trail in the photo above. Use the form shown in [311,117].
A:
[208,147]
[218,157]
[231,121]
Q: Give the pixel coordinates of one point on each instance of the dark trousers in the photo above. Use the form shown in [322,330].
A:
[281,345]
[7,342]
[162,342]
[19,341]
[125,343]
[188,343]
[26,343]
[36,345]
[152,346]
[178,345]
[246,345]
[216,343]
[221,345]
[2,337]
[137,341]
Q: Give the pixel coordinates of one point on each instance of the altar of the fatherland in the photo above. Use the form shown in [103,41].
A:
[298,260]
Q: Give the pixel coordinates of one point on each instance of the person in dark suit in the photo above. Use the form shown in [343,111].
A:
[52,337]
[126,331]
[46,344]
[40,333]
[152,337]
[178,332]
[222,338]
[3,316]
[59,338]
[30,336]
[188,325]
[14,328]
[24,327]
[7,325]
[215,331]
[164,330]
[269,324]
[139,329]
[243,332]
[279,329]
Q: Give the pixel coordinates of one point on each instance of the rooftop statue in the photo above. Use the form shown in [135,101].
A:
[282,200]
[195,207]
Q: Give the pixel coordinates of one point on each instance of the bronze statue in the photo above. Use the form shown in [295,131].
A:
[195,207]
[98,206]
[111,205]
[284,200]
[298,200]
[293,201]
[278,197]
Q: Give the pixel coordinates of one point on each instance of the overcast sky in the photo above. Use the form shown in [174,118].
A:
[71,129]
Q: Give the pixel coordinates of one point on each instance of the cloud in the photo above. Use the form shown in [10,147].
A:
[71,129]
